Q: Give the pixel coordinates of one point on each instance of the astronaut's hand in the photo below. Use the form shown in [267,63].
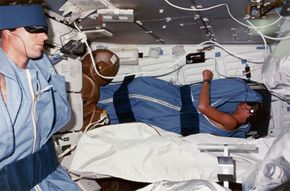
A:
[207,75]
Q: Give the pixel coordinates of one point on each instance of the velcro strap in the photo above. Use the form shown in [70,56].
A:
[189,119]
[122,102]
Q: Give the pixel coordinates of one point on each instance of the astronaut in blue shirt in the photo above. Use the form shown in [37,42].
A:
[33,104]
[223,107]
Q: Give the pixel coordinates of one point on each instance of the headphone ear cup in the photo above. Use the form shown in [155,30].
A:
[107,64]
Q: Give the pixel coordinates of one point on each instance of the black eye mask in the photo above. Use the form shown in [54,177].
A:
[36,29]
[16,16]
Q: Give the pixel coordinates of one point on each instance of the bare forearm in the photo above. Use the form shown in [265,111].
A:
[220,119]
[204,97]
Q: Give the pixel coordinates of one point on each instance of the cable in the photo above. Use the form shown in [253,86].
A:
[215,68]
[277,95]
[262,36]
[183,64]
[104,120]
[209,8]
[67,151]
[217,71]
[268,25]
[228,10]
[276,38]
[234,54]
[94,64]
[151,73]
[84,40]
[265,36]
[270,91]
[22,43]
[192,9]
[285,17]
[256,28]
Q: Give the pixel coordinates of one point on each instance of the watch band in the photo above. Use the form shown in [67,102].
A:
[208,81]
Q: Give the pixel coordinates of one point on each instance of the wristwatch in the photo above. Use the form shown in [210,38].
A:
[208,81]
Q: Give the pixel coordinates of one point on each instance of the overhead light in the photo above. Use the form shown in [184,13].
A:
[168,19]
[139,22]
[196,17]
[116,15]
[97,33]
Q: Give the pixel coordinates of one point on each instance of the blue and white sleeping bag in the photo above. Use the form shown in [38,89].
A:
[172,107]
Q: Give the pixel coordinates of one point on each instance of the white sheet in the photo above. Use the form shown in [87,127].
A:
[139,152]
[274,170]
[196,185]
[276,70]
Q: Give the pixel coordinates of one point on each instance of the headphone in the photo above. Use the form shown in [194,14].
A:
[11,32]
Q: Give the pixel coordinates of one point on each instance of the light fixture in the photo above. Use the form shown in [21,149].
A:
[116,15]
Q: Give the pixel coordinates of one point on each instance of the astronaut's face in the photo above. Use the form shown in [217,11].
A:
[244,110]
[28,44]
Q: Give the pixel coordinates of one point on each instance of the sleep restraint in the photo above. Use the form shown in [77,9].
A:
[189,120]
[26,173]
